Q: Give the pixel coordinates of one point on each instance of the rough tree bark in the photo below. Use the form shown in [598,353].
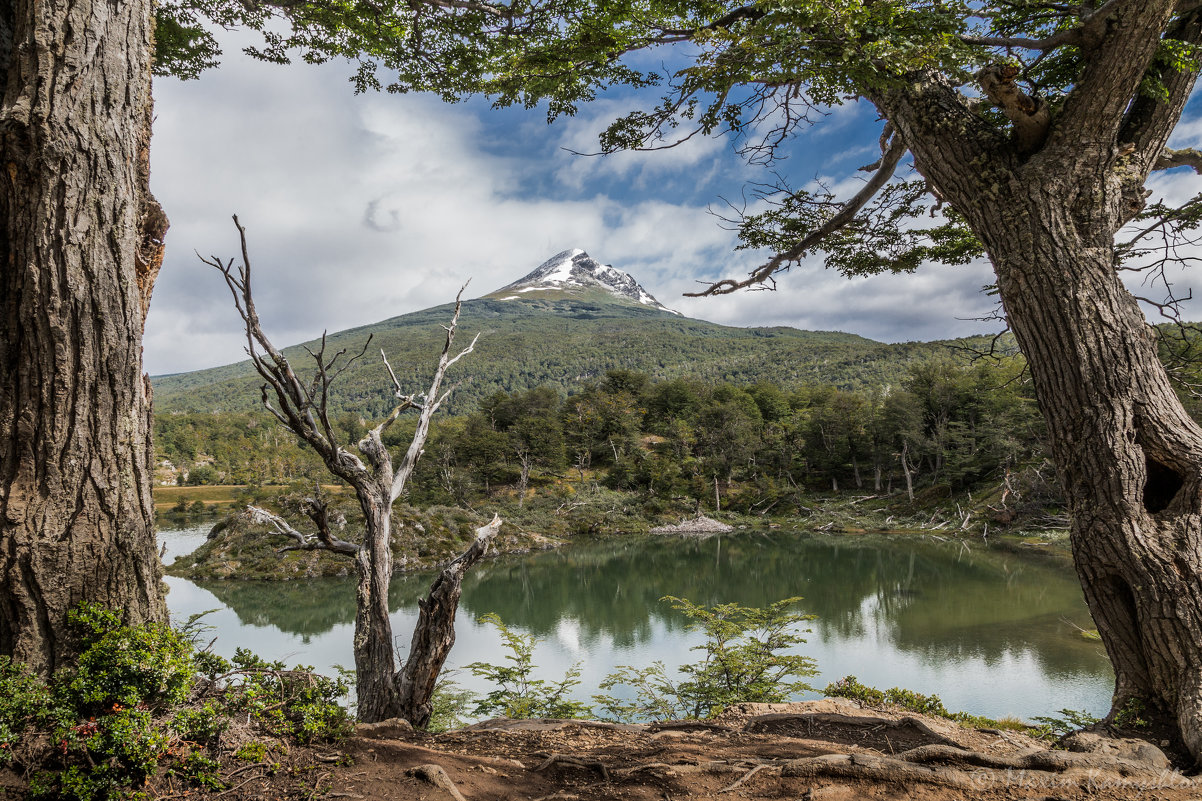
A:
[303,407]
[81,245]
[1047,210]
[409,692]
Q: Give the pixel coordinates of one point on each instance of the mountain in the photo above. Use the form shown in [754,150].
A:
[570,332]
[573,273]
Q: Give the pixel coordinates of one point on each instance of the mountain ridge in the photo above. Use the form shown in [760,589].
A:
[562,337]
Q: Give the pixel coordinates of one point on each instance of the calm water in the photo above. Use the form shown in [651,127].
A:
[991,631]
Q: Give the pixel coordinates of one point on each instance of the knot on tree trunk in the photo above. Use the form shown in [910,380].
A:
[1029,115]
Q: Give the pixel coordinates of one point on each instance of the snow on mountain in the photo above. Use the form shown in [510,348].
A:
[575,269]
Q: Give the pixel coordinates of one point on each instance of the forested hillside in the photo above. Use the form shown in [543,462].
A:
[565,343]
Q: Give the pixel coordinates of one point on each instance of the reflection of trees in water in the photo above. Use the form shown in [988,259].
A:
[297,607]
[940,600]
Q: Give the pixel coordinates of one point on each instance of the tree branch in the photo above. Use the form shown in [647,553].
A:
[434,633]
[325,540]
[1150,120]
[1186,157]
[432,401]
[893,153]
[1078,36]
[296,401]
[1115,67]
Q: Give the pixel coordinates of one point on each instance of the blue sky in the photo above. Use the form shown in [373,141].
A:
[360,208]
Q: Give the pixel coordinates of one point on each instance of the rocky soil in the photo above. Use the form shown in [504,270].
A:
[829,750]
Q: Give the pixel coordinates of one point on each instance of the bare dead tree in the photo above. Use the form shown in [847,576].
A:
[303,407]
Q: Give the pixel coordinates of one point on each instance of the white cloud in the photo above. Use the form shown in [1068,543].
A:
[362,208]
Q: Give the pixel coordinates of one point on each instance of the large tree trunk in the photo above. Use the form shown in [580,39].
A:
[1129,457]
[81,244]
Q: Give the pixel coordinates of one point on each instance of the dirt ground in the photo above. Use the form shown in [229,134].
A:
[828,750]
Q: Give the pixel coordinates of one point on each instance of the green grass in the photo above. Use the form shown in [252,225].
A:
[212,495]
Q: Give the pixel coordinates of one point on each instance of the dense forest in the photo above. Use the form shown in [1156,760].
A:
[566,344]
[743,447]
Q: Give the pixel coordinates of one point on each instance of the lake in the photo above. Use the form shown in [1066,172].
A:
[993,630]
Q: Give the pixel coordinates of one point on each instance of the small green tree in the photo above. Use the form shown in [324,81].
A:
[518,694]
[745,660]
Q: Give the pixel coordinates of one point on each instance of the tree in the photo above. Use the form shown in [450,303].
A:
[303,407]
[1032,127]
[82,242]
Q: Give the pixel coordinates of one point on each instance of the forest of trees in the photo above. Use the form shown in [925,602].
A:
[743,446]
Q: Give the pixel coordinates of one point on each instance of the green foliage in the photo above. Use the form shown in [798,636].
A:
[850,687]
[118,715]
[23,699]
[127,666]
[450,704]
[1133,714]
[288,702]
[744,659]
[1052,728]
[199,771]
[518,693]
[201,725]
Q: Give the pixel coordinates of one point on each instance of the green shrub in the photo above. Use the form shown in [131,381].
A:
[201,725]
[23,699]
[199,770]
[115,717]
[850,687]
[518,693]
[744,659]
[449,704]
[123,666]
[288,702]
[1069,720]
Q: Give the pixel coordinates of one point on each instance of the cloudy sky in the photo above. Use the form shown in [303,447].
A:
[360,208]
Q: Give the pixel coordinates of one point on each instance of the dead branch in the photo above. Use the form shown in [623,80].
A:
[304,409]
[434,633]
[324,541]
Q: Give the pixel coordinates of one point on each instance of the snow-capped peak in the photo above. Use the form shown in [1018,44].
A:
[575,269]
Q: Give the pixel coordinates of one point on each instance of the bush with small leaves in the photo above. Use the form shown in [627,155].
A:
[23,699]
[127,665]
[745,659]
[518,693]
[288,702]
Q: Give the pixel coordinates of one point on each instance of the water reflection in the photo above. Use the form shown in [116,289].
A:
[972,622]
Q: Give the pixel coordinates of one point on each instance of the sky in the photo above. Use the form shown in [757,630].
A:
[361,208]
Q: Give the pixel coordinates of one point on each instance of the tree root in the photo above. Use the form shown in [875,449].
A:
[437,776]
[563,759]
[860,721]
[944,765]
[745,777]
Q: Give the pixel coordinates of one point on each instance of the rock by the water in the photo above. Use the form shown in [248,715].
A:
[698,525]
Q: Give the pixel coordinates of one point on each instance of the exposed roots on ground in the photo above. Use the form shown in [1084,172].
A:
[830,750]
